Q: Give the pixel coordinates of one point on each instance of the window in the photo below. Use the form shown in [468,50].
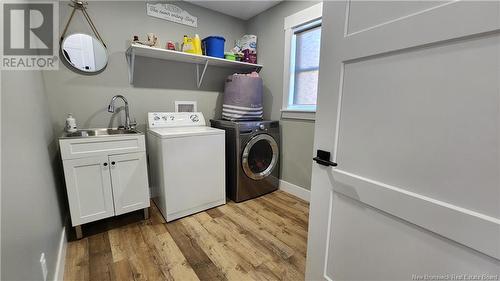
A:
[304,66]
[301,69]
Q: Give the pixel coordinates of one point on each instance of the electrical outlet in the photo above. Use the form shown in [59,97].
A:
[43,264]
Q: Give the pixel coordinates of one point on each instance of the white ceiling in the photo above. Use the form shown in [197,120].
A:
[240,9]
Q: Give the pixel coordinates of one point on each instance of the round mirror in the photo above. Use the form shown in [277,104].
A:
[84,53]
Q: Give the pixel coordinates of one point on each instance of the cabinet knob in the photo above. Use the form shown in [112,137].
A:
[113,163]
[105,164]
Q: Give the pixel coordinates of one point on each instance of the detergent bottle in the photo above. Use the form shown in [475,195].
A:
[188,45]
[197,44]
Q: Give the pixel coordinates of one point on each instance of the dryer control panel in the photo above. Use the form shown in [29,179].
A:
[175,119]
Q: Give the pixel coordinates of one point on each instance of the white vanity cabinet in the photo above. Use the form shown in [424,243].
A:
[105,176]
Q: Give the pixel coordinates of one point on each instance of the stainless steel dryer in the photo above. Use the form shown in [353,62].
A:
[252,157]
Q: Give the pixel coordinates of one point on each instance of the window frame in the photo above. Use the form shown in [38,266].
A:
[298,20]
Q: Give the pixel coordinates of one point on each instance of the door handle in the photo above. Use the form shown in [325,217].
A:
[323,158]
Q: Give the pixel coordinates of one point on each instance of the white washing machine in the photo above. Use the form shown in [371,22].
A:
[187,163]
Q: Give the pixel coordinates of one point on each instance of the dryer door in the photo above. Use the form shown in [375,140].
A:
[260,156]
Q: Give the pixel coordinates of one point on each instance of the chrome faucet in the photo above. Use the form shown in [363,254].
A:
[111,108]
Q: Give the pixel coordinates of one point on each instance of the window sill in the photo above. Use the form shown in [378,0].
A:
[298,114]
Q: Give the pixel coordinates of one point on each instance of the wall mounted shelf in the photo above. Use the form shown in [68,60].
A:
[199,60]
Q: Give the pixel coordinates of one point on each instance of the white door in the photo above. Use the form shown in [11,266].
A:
[129,176]
[88,185]
[408,105]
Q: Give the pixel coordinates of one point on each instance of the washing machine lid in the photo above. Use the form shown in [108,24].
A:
[176,132]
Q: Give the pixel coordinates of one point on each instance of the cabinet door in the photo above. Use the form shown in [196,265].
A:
[130,182]
[88,184]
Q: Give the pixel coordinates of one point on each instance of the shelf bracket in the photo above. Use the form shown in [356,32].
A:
[199,79]
[130,55]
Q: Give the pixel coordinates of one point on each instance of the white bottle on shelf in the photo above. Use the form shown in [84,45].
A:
[70,124]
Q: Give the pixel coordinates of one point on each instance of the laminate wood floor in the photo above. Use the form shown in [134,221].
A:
[260,239]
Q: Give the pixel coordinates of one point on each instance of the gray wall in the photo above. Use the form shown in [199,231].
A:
[157,84]
[31,196]
[297,135]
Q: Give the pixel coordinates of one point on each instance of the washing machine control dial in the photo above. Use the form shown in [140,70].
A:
[156,118]
[194,118]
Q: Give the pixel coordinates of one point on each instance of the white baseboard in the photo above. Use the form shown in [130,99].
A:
[61,257]
[296,190]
